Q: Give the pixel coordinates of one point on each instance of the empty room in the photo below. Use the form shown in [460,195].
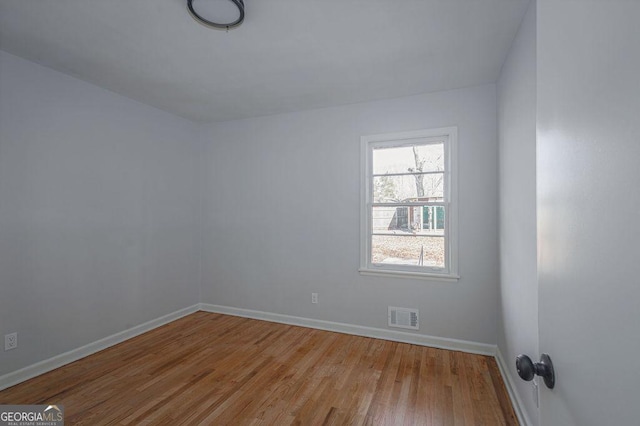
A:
[356,212]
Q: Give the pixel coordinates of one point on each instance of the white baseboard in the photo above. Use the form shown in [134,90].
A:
[509,383]
[57,361]
[358,330]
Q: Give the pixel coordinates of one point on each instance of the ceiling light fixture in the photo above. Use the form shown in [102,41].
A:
[223,14]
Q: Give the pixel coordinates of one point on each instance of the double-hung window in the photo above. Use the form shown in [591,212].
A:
[408,204]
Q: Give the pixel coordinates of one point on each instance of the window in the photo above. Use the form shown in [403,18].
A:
[409,216]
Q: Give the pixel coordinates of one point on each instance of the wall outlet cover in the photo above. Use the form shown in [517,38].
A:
[10,341]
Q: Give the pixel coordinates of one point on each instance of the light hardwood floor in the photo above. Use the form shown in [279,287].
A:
[216,369]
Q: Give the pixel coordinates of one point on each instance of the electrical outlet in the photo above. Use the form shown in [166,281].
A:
[314,297]
[10,341]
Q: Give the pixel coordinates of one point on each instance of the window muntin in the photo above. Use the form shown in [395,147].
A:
[409,223]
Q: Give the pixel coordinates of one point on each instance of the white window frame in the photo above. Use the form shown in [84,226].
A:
[450,137]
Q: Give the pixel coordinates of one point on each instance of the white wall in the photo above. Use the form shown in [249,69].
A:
[99,212]
[281,215]
[518,325]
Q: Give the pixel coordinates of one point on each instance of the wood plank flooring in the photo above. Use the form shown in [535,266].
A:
[216,369]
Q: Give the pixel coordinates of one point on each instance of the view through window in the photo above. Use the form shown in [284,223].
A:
[408,202]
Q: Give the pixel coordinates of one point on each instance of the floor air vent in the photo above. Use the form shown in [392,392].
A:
[403,318]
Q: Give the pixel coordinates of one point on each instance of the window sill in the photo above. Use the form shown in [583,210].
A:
[409,274]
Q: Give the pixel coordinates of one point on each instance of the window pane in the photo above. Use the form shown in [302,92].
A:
[408,250]
[421,158]
[408,220]
[388,189]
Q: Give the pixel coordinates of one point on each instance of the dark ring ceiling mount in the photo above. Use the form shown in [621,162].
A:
[202,18]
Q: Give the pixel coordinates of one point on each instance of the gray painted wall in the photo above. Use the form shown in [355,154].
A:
[518,325]
[281,215]
[99,212]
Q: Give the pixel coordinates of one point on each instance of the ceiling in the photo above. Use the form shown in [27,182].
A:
[288,55]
